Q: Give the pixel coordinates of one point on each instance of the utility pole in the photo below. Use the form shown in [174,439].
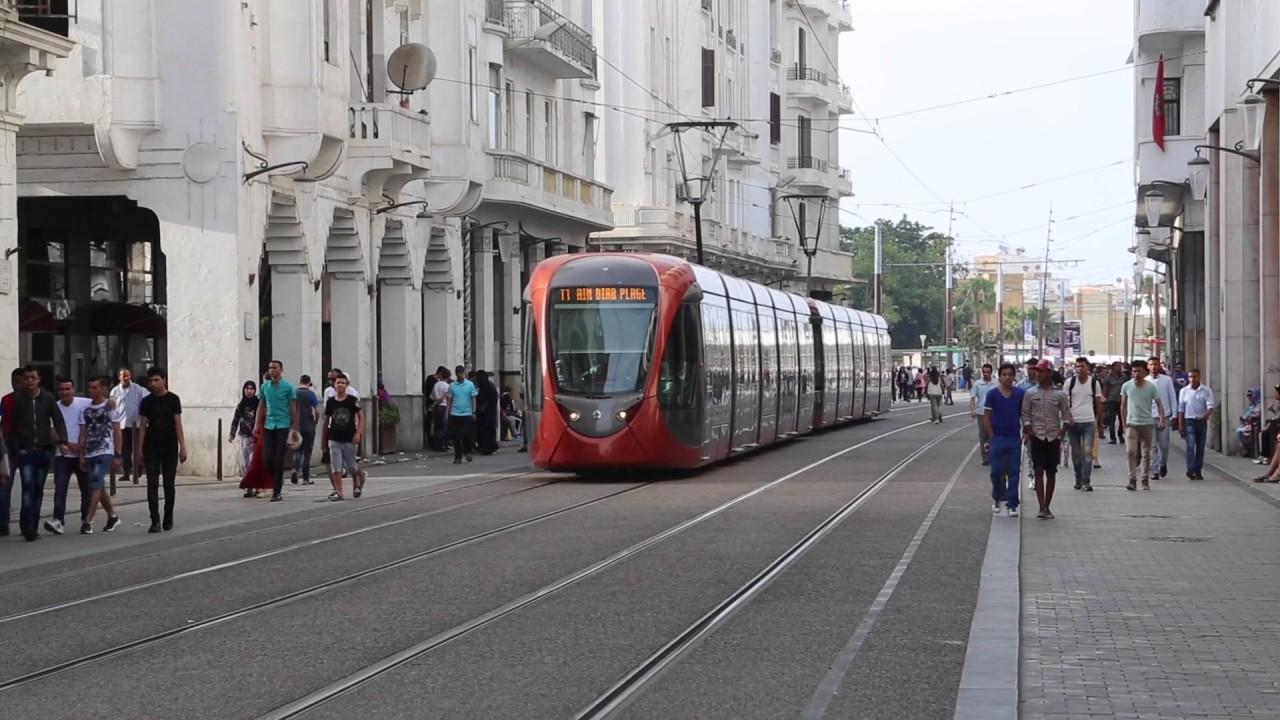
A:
[1062,323]
[1000,312]
[877,303]
[1127,308]
[1044,278]
[1155,316]
[949,314]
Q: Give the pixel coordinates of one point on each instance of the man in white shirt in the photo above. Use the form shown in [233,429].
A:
[439,410]
[1168,393]
[67,461]
[330,392]
[128,396]
[978,401]
[1195,406]
[1086,395]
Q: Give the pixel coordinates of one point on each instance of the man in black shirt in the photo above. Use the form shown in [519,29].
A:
[39,431]
[162,445]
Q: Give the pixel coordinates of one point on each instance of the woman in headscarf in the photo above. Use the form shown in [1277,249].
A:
[253,471]
[486,414]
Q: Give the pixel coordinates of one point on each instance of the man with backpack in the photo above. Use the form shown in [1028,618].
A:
[1086,410]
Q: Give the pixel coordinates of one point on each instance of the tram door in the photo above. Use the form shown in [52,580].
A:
[680,377]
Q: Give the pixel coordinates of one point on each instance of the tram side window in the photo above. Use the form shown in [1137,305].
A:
[533,383]
[678,381]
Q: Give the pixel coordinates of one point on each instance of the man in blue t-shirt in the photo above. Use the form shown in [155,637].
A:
[277,415]
[1002,416]
[462,421]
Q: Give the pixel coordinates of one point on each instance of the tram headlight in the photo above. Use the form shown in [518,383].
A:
[574,416]
[621,415]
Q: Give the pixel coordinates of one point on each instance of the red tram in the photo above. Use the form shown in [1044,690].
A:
[650,361]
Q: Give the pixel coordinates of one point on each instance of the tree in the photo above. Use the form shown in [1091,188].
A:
[913,294]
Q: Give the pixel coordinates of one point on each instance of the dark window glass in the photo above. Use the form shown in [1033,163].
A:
[601,348]
[678,377]
[775,118]
[1173,106]
[708,77]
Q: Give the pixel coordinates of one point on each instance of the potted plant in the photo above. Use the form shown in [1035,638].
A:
[388,419]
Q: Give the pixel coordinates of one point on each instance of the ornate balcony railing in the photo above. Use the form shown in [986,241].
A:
[797,72]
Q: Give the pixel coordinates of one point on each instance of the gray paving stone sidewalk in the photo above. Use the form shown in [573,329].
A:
[1159,604]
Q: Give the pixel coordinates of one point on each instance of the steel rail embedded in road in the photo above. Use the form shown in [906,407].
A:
[261,556]
[299,594]
[635,681]
[395,660]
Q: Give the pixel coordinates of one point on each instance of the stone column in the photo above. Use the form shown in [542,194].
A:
[8,241]
[1239,277]
[295,323]
[351,332]
[1213,374]
[402,369]
[512,328]
[484,334]
[1269,248]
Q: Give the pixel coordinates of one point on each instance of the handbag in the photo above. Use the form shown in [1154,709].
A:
[295,440]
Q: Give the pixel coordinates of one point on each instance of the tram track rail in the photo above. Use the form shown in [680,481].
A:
[292,596]
[389,663]
[309,519]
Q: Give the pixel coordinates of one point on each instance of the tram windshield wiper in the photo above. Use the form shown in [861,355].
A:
[592,396]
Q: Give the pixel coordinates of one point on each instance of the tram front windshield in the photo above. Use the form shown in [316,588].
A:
[602,338]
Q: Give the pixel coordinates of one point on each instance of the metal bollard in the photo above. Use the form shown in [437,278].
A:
[219,449]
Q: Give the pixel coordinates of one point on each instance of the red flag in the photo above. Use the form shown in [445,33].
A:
[1157,106]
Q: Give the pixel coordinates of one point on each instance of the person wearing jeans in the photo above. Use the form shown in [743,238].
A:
[1086,394]
[462,421]
[38,430]
[1195,406]
[1002,415]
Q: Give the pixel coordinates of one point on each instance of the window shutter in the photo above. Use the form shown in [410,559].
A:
[708,77]
[775,118]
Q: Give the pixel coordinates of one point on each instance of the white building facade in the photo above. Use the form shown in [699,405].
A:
[772,67]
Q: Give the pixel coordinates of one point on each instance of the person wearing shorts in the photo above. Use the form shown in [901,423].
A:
[343,427]
[1046,417]
[100,450]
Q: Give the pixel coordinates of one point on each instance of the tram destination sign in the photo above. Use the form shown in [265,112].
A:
[604,294]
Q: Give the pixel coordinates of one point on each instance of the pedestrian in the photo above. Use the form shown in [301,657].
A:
[1029,380]
[1252,415]
[1169,398]
[343,428]
[977,401]
[1195,407]
[966,377]
[18,382]
[1180,378]
[1111,385]
[934,391]
[162,446]
[128,395]
[439,410]
[308,415]
[921,384]
[1085,395]
[277,417]
[1046,418]
[487,407]
[67,462]
[38,432]
[1137,397]
[1270,425]
[948,386]
[1002,415]
[243,419]
[101,443]
[461,404]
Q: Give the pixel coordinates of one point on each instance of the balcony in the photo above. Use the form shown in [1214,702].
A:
[812,8]
[841,15]
[382,130]
[517,179]
[843,184]
[1170,16]
[841,97]
[775,56]
[739,149]
[811,174]
[54,16]
[548,41]
[808,83]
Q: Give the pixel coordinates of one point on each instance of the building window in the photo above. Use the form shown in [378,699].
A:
[589,145]
[804,140]
[1173,106]
[327,27]
[496,131]
[508,124]
[708,77]
[472,70]
[775,118]
[528,123]
[549,116]
[403,14]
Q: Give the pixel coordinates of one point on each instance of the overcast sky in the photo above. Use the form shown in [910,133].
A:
[905,55]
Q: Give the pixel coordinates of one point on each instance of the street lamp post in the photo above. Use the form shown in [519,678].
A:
[799,205]
[697,187]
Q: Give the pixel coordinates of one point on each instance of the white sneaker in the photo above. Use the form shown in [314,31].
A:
[995,508]
[1013,512]
[53,526]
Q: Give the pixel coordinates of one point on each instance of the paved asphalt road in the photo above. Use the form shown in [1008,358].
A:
[505,593]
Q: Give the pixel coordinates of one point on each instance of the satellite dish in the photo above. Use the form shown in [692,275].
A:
[412,67]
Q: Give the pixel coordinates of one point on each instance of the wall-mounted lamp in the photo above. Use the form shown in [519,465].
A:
[264,167]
